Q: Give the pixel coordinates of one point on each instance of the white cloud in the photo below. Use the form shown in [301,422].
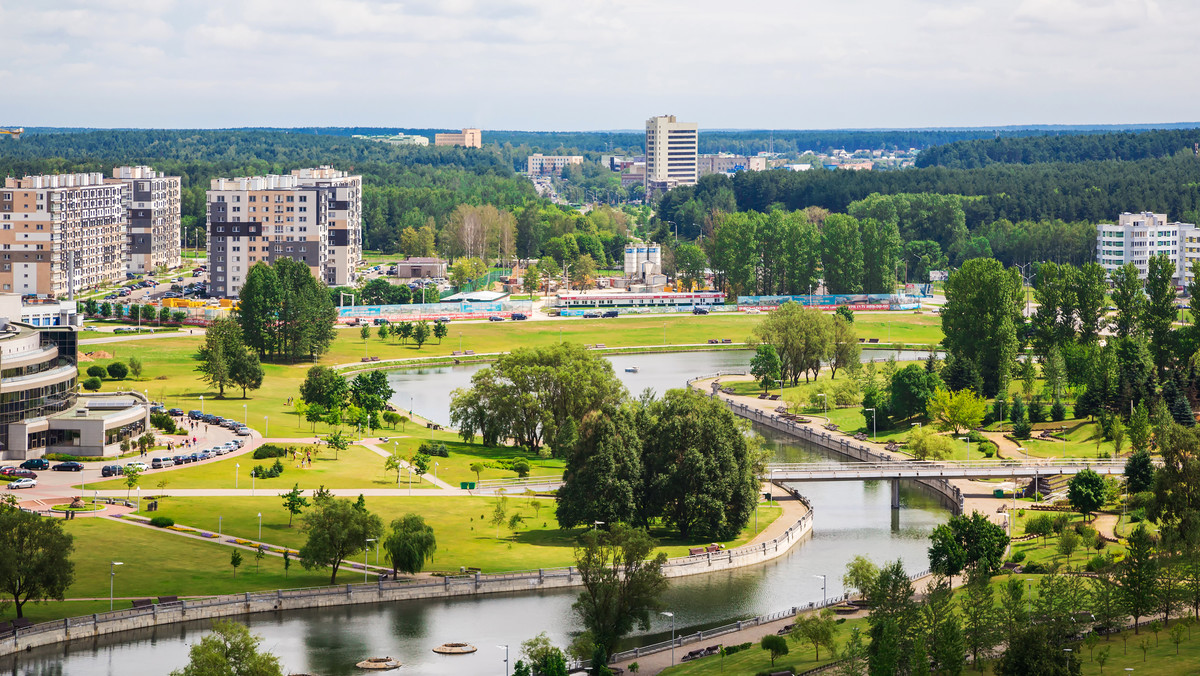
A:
[538,64]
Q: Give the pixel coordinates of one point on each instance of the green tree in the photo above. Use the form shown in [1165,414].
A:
[230,650]
[410,544]
[365,333]
[117,370]
[774,644]
[981,618]
[816,628]
[337,529]
[97,371]
[860,574]
[1138,429]
[1176,503]
[966,541]
[765,366]
[912,388]
[621,583]
[395,461]
[844,349]
[245,371]
[603,479]
[881,247]
[294,502]
[35,558]
[1139,472]
[926,444]
[1159,313]
[1129,300]
[420,333]
[801,338]
[1032,652]
[1088,291]
[980,319]
[440,331]
[235,560]
[956,411]
[583,272]
[1086,491]
[135,366]
[690,263]
[92,384]
[842,254]
[1139,576]
[133,475]
[530,280]
[477,468]
[222,345]
[893,621]
[325,387]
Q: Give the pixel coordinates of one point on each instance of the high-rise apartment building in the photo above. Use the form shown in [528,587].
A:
[61,232]
[671,149]
[468,138]
[152,203]
[313,216]
[1137,237]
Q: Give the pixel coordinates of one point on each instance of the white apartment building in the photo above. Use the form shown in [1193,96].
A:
[671,149]
[152,203]
[60,233]
[313,216]
[725,163]
[1137,237]
[538,164]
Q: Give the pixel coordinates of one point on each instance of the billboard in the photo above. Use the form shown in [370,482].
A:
[858,301]
[416,312]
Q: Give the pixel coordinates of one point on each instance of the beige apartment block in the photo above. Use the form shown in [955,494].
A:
[538,164]
[313,216]
[468,138]
[152,203]
[343,196]
[60,233]
[728,164]
[671,148]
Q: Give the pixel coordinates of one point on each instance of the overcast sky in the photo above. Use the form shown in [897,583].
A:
[597,64]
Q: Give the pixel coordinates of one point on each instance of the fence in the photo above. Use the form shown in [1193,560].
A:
[482,283]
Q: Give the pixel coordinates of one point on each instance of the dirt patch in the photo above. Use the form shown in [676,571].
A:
[84,356]
[99,354]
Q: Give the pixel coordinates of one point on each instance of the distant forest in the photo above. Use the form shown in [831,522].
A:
[1124,146]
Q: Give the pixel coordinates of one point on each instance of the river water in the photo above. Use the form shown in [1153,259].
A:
[851,518]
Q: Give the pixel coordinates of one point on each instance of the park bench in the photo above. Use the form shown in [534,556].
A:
[600,346]
[165,600]
[893,447]
[873,340]
[774,397]
[713,548]
[696,551]
[832,427]
[862,340]
[6,628]
[469,352]
[456,353]
[763,395]
[21,623]
[374,358]
[366,359]
[787,629]
[726,341]
[712,341]
[712,649]
[693,654]
[860,436]
[142,603]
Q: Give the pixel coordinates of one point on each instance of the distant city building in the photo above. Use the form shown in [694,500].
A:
[313,216]
[729,164]
[61,233]
[468,138]
[397,139]
[152,202]
[538,164]
[1137,237]
[671,148]
[416,267]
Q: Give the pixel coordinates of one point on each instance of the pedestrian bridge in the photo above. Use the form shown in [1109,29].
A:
[899,470]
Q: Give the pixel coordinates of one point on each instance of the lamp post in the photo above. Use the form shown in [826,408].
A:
[202,404]
[968,440]
[260,526]
[874,435]
[220,524]
[236,466]
[505,647]
[366,548]
[824,598]
[112,575]
[672,616]
[435,467]
[824,405]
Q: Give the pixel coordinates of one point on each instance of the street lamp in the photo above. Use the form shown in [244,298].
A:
[202,404]
[260,526]
[435,467]
[220,524]
[874,435]
[236,466]
[824,598]
[366,548]
[505,646]
[672,616]
[112,574]
[824,405]
[968,440]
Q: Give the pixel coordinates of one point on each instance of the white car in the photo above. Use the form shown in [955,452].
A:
[22,483]
[139,466]
[753,311]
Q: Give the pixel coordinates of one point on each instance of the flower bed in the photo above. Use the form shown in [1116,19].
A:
[85,508]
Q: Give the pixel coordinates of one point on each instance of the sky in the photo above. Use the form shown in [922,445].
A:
[597,64]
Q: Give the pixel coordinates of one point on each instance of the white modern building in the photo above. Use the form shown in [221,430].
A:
[538,164]
[1137,237]
[671,150]
[725,163]
[153,204]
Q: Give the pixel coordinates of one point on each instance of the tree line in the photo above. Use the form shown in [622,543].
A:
[1119,146]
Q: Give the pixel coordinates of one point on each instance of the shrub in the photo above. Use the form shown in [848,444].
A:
[1017,557]
[732,649]
[1097,563]
[521,467]
[1138,514]
[270,451]
[1034,569]
[1058,412]
[117,370]
[163,422]
[92,384]
[162,522]
[439,449]
[97,371]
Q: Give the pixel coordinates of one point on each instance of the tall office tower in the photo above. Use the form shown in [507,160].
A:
[60,233]
[313,216]
[152,202]
[671,149]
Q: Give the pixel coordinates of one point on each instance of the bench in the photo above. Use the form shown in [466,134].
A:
[21,623]
[163,600]
[712,341]
[366,359]
[142,603]
[695,551]
[763,395]
[713,548]
[726,341]
[374,358]
[6,628]
[456,353]
[862,340]
[787,629]
[774,397]
[873,340]
[600,346]
[469,352]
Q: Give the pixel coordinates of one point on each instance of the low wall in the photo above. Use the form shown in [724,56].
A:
[92,626]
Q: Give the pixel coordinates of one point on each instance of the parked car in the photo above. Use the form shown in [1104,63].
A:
[495,318]
[182,459]
[379,321]
[519,316]
[175,411]
[699,311]
[36,463]
[19,473]
[591,315]
[237,442]
[25,482]
[206,455]
[442,320]
[609,314]
[112,470]
[139,466]
[68,466]
[160,463]
[196,457]
[243,431]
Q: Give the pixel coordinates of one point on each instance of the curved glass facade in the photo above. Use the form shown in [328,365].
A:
[40,399]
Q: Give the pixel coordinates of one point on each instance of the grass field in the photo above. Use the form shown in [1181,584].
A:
[169,372]
[462,525]
[754,659]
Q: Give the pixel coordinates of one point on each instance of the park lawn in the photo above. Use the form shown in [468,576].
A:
[462,525]
[899,327]
[1081,436]
[356,467]
[800,657]
[161,563]
[457,468]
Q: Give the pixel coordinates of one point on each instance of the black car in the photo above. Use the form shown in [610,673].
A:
[112,470]
[519,316]
[36,463]
[699,311]
[609,314]
[182,459]
[495,318]
[175,411]
[442,320]
[68,466]
[591,315]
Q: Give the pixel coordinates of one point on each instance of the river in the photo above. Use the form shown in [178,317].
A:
[851,518]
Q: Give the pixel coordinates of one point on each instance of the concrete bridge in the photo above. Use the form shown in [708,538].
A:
[780,473]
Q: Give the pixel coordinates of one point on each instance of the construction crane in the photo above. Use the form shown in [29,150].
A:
[15,132]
